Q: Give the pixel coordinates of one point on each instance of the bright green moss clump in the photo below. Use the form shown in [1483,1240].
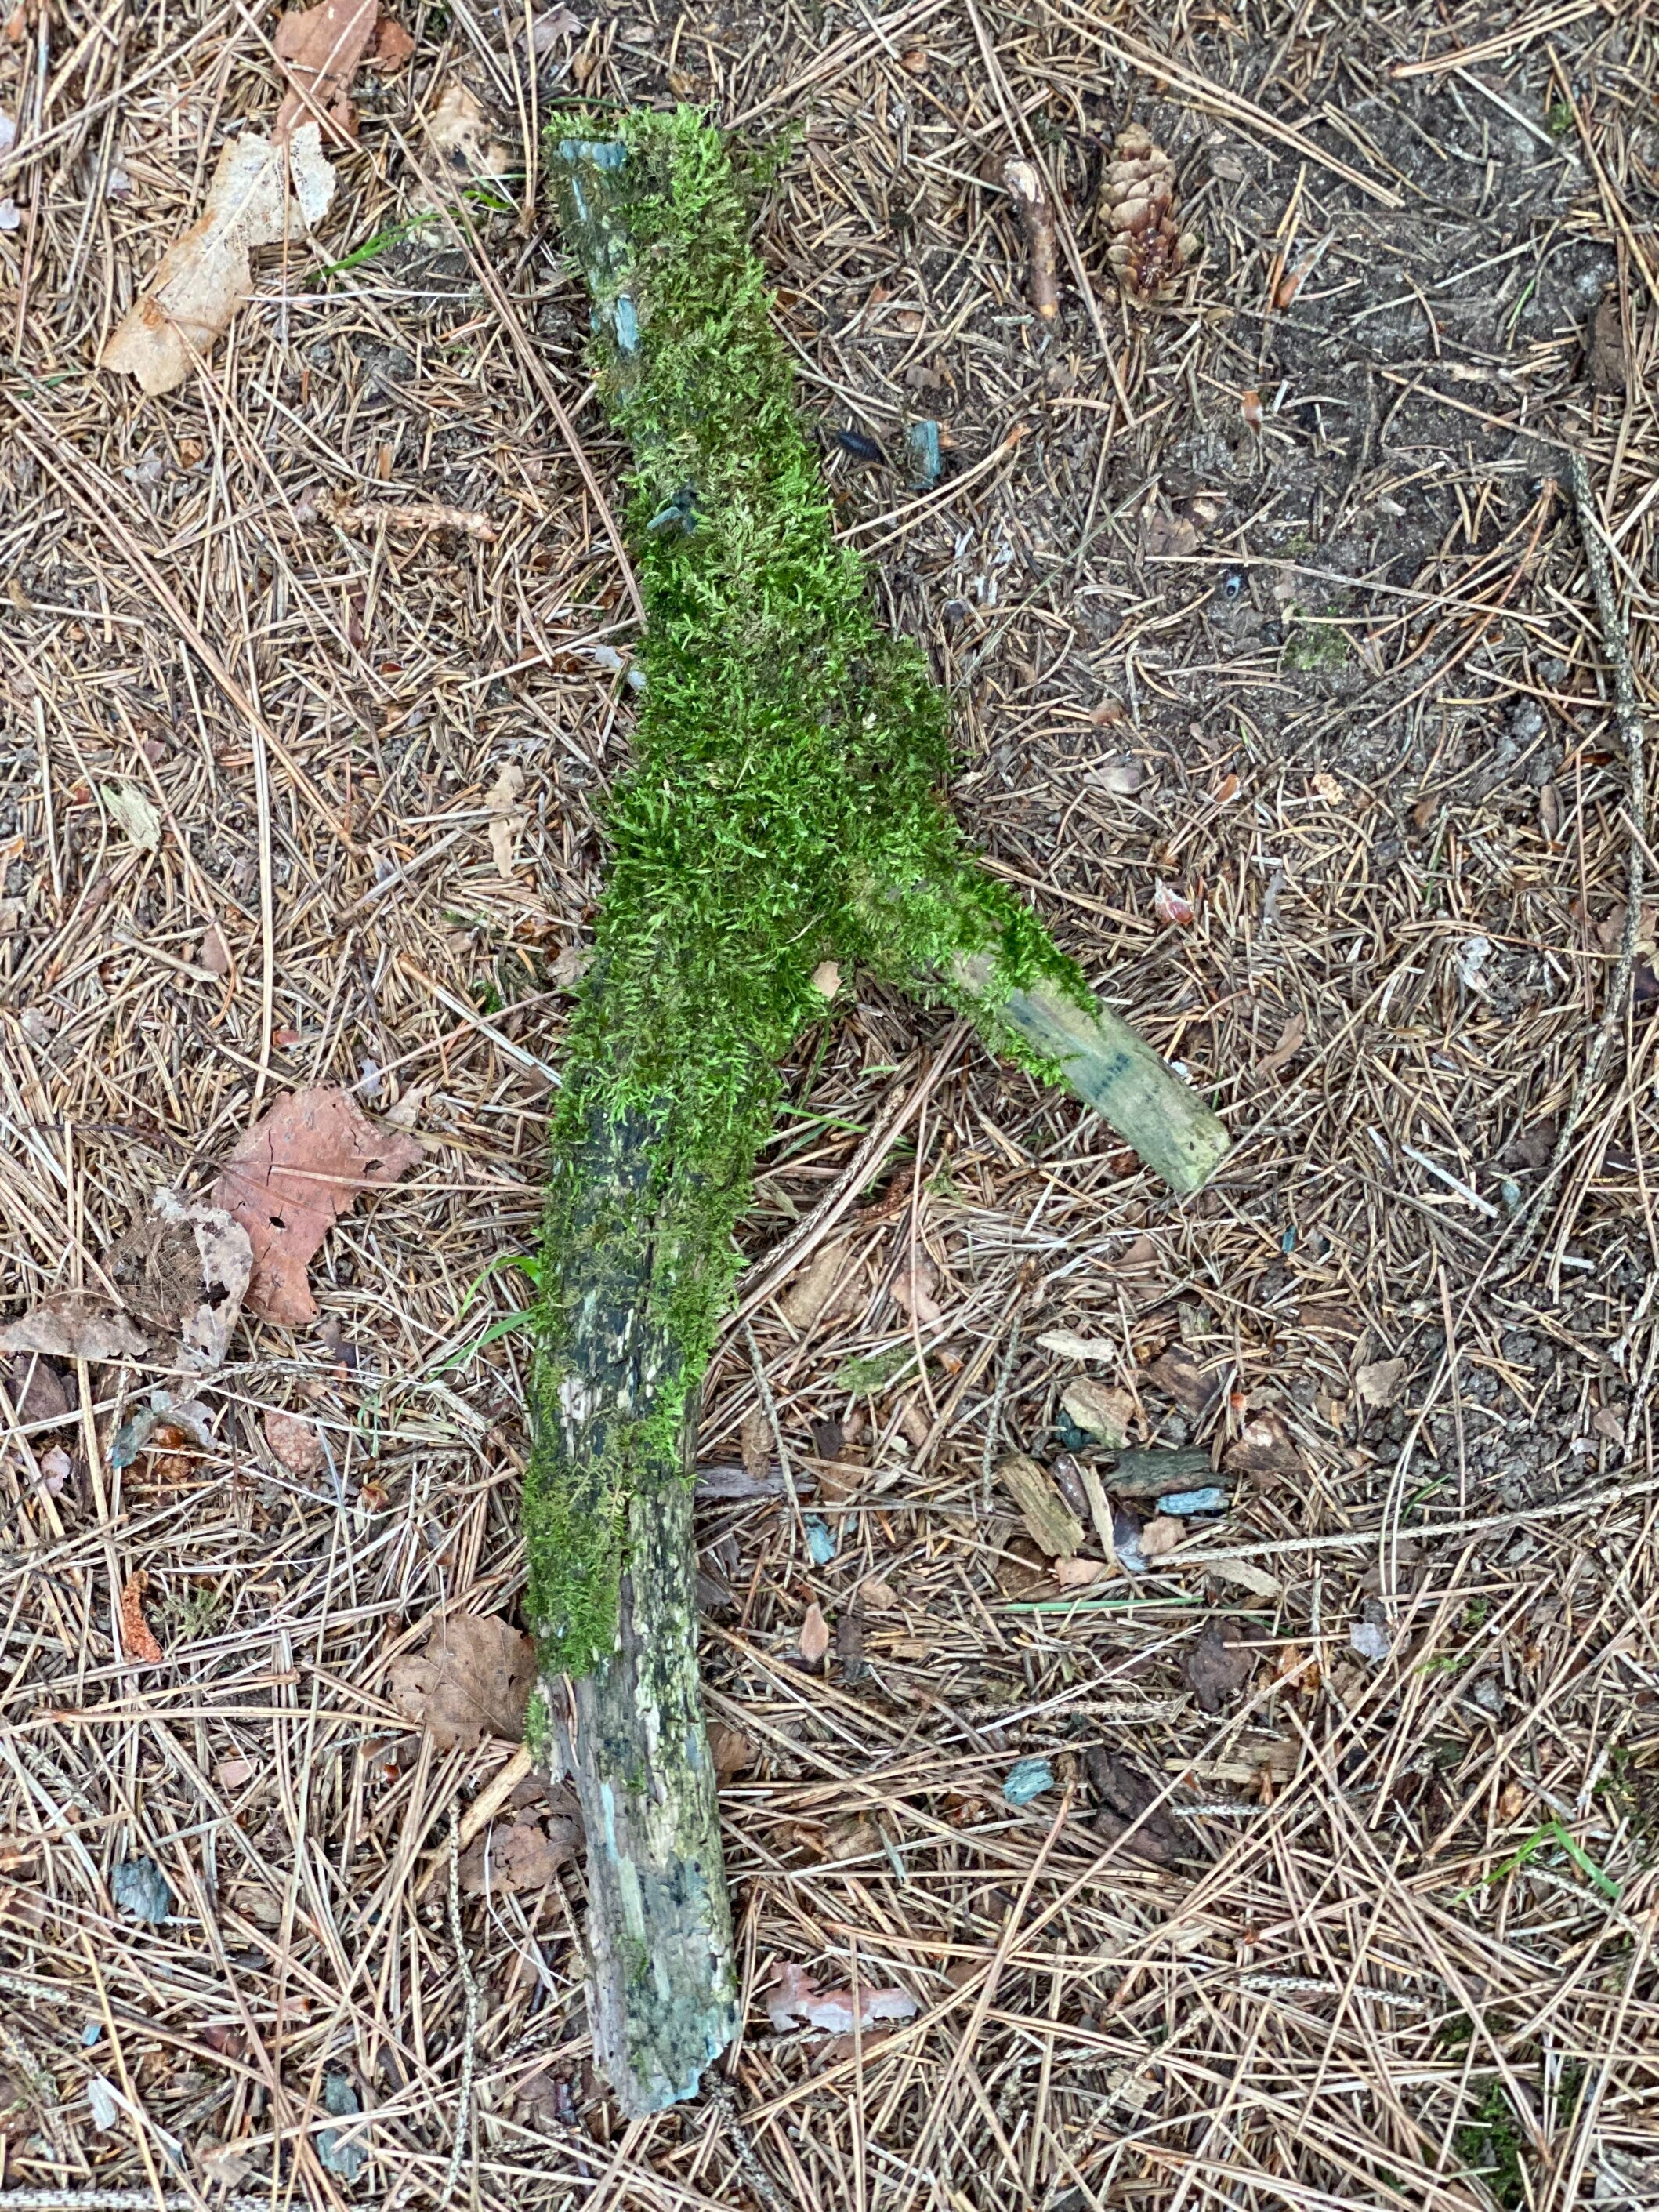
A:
[784,809]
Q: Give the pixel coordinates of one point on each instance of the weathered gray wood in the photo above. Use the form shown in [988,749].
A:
[662,1988]
[1119,1075]
[662,1999]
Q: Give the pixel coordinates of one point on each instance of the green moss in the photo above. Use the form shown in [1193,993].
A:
[1492,2146]
[784,808]
[1311,644]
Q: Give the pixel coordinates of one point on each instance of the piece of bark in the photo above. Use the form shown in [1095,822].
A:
[1053,1526]
[1156,1474]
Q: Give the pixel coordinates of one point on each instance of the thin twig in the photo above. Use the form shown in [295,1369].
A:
[470,1982]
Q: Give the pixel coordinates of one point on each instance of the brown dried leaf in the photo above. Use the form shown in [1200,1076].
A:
[137,1637]
[204,276]
[291,1176]
[320,51]
[183,1273]
[1160,1536]
[814,1635]
[75,1325]
[1219,1664]
[1382,1383]
[756,1441]
[37,1392]
[1170,536]
[1608,369]
[1127,1796]
[1291,1038]
[812,1293]
[295,1443]
[914,1287]
[519,1856]
[794,1998]
[1264,1446]
[1078,1574]
[392,46]
[730,1751]
[1181,1373]
[473,1680]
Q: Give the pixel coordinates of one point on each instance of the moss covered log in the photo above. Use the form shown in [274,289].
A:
[784,809]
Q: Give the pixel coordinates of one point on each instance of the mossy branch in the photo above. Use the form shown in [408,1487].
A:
[784,808]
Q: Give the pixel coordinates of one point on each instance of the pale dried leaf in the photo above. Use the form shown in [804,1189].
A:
[183,1272]
[1382,1383]
[1066,1344]
[826,979]
[1100,1412]
[473,1680]
[914,1287]
[213,953]
[75,1325]
[814,1635]
[1248,1576]
[204,276]
[755,1439]
[134,815]
[811,1293]
[465,146]
[295,1443]
[291,1176]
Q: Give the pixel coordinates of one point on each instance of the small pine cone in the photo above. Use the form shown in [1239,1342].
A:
[1148,249]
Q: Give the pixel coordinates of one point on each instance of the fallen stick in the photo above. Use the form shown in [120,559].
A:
[783,819]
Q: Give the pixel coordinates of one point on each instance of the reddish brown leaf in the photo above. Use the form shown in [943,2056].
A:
[137,1637]
[293,1442]
[288,1179]
[814,1635]
[392,45]
[319,51]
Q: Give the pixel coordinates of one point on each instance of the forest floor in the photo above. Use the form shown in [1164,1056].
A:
[1343,1884]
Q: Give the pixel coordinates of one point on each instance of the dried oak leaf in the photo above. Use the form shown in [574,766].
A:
[206,276]
[520,1856]
[320,51]
[473,1680]
[1219,1664]
[138,1636]
[1264,1446]
[288,1179]
[183,1273]
[1149,250]
[75,1325]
